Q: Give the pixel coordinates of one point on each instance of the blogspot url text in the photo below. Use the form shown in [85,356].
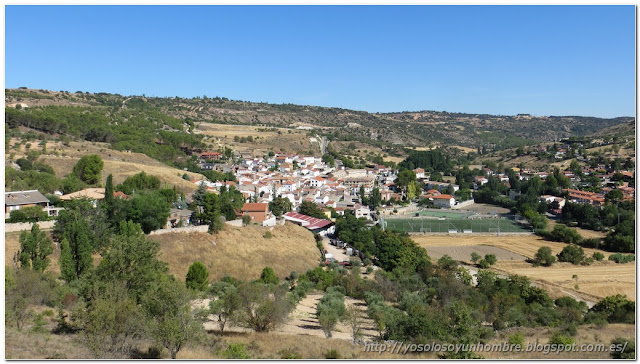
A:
[398,347]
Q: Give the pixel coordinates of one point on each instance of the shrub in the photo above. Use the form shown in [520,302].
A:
[622,258]
[559,339]
[623,348]
[598,256]
[289,354]
[484,264]
[332,354]
[491,259]
[268,276]
[197,277]
[544,257]
[572,254]
[516,339]
[236,351]
[267,234]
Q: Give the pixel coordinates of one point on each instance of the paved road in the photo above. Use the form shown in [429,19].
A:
[339,254]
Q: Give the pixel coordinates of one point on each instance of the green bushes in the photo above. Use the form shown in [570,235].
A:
[616,309]
[197,277]
[330,310]
[572,254]
[544,257]
[622,258]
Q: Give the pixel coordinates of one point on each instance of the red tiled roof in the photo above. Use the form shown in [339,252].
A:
[311,223]
[252,207]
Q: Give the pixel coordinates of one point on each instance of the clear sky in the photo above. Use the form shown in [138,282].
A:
[542,60]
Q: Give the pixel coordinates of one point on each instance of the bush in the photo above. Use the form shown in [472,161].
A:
[516,339]
[332,354]
[616,309]
[623,348]
[289,354]
[236,351]
[564,234]
[598,256]
[268,276]
[544,257]
[559,339]
[572,254]
[491,259]
[197,277]
[484,264]
[622,258]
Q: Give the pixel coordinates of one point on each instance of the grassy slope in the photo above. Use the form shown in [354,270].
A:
[240,252]
[121,164]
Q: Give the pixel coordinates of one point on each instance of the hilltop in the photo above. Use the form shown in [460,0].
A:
[188,124]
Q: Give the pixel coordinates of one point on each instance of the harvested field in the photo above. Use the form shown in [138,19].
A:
[463,252]
[598,280]
[583,232]
[526,245]
[240,252]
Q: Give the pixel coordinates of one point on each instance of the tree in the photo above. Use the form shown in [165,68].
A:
[490,258]
[108,192]
[330,310]
[268,276]
[76,250]
[149,209]
[311,209]
[263,306]
[131,258]
[139,182]
[246,220]
[197,277]
[226,305]
[279,206]
[211,213]
[406,178]
[89,169]
[112,323]
[71,183]
[167,305]
[544,257]
[375,200]
[35,247]
[572,254]
[475,257]
[614,196]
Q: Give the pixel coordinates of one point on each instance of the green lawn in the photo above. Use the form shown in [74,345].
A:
[447,214]
[443,226]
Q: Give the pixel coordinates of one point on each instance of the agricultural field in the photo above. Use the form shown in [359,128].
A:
[241,253]
[595,281]
[415,225]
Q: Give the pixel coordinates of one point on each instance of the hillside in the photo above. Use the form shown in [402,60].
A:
[184,124]
[121,164]
[241,253]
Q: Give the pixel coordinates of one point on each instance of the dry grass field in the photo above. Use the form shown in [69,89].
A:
[599,280]
[264,139]
[596,281]
[240,252]
[121,164]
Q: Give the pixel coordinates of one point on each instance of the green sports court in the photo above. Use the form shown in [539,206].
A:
[417,225]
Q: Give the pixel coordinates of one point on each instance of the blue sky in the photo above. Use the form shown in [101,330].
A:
[542,60]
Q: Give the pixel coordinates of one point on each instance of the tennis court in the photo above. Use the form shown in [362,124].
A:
[455,225]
